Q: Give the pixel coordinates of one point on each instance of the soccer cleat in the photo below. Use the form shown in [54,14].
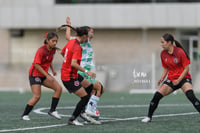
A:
[146,120]
[89,119]
[55,114]
[97,114]
[25,118]
[94,114]
[75,122]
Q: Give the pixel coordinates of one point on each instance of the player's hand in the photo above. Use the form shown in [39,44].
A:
[93,75]
[175,82]
[68,20]
[54,73]
[160,81]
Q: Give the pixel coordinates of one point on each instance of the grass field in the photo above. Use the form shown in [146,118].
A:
[120,113]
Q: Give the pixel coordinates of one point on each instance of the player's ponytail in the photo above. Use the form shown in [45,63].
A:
[79,30]
[168,37]
[65,25]
[180,46]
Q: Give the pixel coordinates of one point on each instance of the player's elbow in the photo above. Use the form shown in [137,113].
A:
[73,64]
[36,65]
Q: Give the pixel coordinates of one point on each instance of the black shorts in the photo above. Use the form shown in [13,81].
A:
[73,84]
[36,80]
[175,87]
[80,78]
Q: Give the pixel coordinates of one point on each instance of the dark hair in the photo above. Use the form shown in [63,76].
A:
[49,36]
[83,30]
[168,37]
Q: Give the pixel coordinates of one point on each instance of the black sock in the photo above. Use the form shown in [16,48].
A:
[27,109]
[54,104]
[79,107]
[154,103]
[190,95]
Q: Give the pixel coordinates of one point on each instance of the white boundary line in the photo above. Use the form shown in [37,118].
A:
[104,121]
[32,128]
[40,110]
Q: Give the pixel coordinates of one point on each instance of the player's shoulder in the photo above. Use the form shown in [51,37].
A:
[42,48]
[73,45]
[163,52]
[178,49]
[72,41]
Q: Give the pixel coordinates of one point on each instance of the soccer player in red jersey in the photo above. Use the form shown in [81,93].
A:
[72,54]
[175,62]
[87,62]
[38,75]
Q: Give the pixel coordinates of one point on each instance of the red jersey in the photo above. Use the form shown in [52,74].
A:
[44,58]
[72,50]
[175,63]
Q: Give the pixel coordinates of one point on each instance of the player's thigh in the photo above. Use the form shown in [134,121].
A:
[36,90]
[165,89]
[85,83]
[186,86]
[51,84]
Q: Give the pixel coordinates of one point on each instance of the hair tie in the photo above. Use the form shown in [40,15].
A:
[91,30]
[46,34]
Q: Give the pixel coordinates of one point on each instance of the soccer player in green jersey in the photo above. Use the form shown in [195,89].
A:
[88,64]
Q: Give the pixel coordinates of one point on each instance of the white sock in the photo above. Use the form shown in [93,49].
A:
[92,104]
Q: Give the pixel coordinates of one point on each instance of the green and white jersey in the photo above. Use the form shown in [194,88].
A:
[87,60]
[87,55]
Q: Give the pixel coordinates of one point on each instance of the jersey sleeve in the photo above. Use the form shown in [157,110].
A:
[185,61]
[77,53]
[38,57]
[162,60]
[72,37]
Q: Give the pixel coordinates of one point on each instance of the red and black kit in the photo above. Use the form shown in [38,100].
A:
[44,58]
[175,63]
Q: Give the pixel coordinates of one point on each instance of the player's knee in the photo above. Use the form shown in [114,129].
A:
[96,86]
[59,89]
[56,87]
